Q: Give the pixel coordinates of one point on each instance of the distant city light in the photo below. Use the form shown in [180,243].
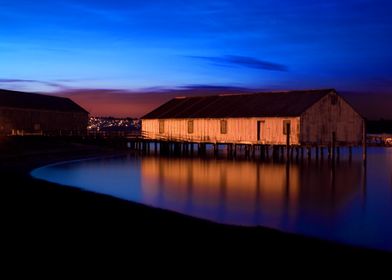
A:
[110,124]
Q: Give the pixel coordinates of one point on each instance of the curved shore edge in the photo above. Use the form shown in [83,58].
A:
[40,213]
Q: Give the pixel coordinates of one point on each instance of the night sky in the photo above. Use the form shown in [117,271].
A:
[74,46]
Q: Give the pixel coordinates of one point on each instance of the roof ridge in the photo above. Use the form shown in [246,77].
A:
[260,92]
[262,104]
[39,101]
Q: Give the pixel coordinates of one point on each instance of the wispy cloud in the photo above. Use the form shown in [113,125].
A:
[243,61]
[51,84]
[218,88]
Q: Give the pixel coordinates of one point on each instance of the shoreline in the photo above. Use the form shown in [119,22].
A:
[48,212]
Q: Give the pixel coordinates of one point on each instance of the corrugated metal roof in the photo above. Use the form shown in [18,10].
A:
[264,104]
[24,100]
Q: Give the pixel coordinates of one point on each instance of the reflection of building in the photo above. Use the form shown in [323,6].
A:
[26,113]
[311,117]
[242,192]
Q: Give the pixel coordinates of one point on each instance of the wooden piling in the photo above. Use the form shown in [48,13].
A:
[262,152]
[333,145]
[170,148]
[247,151]
[309,152]
[266,151]
[337,152]
[364,144]
[203,148]
[216,148]
[281,152]
[288,141]
[275,152]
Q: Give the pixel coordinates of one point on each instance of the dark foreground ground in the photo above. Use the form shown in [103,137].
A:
[44,218]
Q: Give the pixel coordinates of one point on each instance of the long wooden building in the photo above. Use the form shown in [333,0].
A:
[310,118]
[24,113]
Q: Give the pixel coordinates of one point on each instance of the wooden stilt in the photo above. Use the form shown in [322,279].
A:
[333,145]
[266,151]
[275,152]
[262,152]
[247,151]
[364,144]
[288,142]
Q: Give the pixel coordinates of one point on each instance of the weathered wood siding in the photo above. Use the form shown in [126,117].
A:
[239,130]
[323,118]
[20,121]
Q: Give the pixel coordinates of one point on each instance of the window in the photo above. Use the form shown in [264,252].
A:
[190,126]
[223,126]
[286,127]
[161,126]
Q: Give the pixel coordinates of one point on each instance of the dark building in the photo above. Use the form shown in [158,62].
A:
[24,113]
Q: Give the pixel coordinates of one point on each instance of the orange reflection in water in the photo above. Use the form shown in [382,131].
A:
[245,192]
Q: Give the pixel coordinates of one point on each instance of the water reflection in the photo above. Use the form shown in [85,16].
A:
[343,202]
[240,193]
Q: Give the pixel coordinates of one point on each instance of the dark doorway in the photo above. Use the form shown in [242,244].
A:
[260,130]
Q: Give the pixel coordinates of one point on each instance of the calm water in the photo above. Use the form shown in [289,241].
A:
[347,203]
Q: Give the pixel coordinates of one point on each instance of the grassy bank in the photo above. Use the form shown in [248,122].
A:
[41,215]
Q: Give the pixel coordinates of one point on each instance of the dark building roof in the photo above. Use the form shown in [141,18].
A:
[24,100]
[266,104]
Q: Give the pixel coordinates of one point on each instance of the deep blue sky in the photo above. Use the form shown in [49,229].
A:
[49,45]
